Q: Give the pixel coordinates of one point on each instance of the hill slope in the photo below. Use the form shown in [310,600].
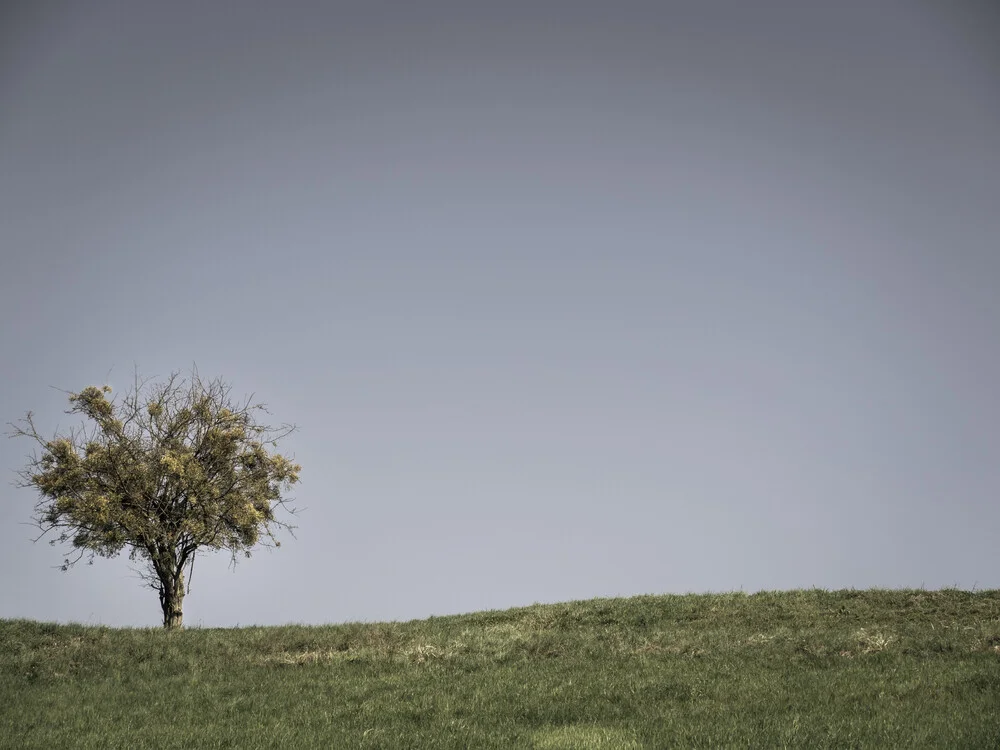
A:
[797,669]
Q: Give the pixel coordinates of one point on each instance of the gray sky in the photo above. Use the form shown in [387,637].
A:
[569,299]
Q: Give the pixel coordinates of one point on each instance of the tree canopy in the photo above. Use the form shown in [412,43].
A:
[168,471]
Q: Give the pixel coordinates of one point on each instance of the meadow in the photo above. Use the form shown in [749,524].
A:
[809,669]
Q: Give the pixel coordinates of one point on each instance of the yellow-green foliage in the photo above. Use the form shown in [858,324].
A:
[167,471]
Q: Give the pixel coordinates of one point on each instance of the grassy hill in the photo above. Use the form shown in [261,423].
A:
[778,669]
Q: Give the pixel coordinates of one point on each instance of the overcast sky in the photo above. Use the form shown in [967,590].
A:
[568,299]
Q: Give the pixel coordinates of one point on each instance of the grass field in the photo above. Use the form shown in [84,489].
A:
[808,669]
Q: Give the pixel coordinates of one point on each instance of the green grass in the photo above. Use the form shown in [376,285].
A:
[809,669]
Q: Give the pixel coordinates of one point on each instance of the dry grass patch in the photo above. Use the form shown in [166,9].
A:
[874,641]
[582,737]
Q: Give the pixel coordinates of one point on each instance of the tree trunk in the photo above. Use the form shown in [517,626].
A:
[172,601]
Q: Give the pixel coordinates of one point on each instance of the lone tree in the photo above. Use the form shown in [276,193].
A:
[172,469]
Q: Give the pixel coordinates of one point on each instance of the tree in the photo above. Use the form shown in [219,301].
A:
[173,469]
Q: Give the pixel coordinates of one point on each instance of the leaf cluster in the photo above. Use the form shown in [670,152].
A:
[169,469]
